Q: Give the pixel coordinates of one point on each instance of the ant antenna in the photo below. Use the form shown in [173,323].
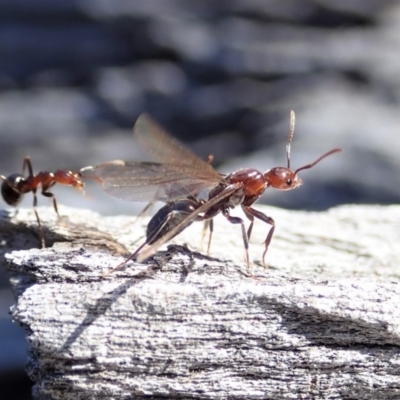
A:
[337,150]
[291,133]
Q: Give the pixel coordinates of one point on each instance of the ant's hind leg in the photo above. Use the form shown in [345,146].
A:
[121,265]
[145,210]
[211,227]
[27,164]
[151,237]
[40,227]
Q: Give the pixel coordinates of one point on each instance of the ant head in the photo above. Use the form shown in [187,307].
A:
[283,178]
[76,179]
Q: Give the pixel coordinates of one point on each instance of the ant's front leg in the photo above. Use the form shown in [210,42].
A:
[258,214]
[208,224]
[52,196]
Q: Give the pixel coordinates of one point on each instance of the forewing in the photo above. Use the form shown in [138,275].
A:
[165,149]
[148,181]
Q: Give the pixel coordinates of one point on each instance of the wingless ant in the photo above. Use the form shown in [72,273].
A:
[16,185]
[178,176]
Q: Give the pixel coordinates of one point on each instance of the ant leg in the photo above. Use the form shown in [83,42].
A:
[27,164]
[237,220]
[261,216]
[251,219]
[53,196]
[150,238]
[211,226]
[41,233]
[131,257]
[205,228]
[144,211]
[208,224]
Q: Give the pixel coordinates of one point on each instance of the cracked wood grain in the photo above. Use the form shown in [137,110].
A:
[321,322]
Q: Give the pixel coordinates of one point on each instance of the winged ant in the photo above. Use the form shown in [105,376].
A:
[178,176]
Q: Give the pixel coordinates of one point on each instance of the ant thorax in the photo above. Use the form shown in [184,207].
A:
[252,180]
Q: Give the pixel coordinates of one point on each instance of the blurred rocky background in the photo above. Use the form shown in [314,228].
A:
[222,76]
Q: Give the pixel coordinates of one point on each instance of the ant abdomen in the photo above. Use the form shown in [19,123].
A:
[9,189]
[168,217]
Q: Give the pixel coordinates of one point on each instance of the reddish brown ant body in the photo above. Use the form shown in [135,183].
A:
[16,185]
[178,175]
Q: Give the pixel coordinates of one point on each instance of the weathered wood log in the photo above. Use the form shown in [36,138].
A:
[323,321]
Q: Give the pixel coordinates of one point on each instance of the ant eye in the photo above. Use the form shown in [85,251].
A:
[289,182]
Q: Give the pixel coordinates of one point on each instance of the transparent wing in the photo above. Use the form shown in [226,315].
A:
[165,149]
[148,181]
[177,173]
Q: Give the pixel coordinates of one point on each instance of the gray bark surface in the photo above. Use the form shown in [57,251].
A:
[322,322]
